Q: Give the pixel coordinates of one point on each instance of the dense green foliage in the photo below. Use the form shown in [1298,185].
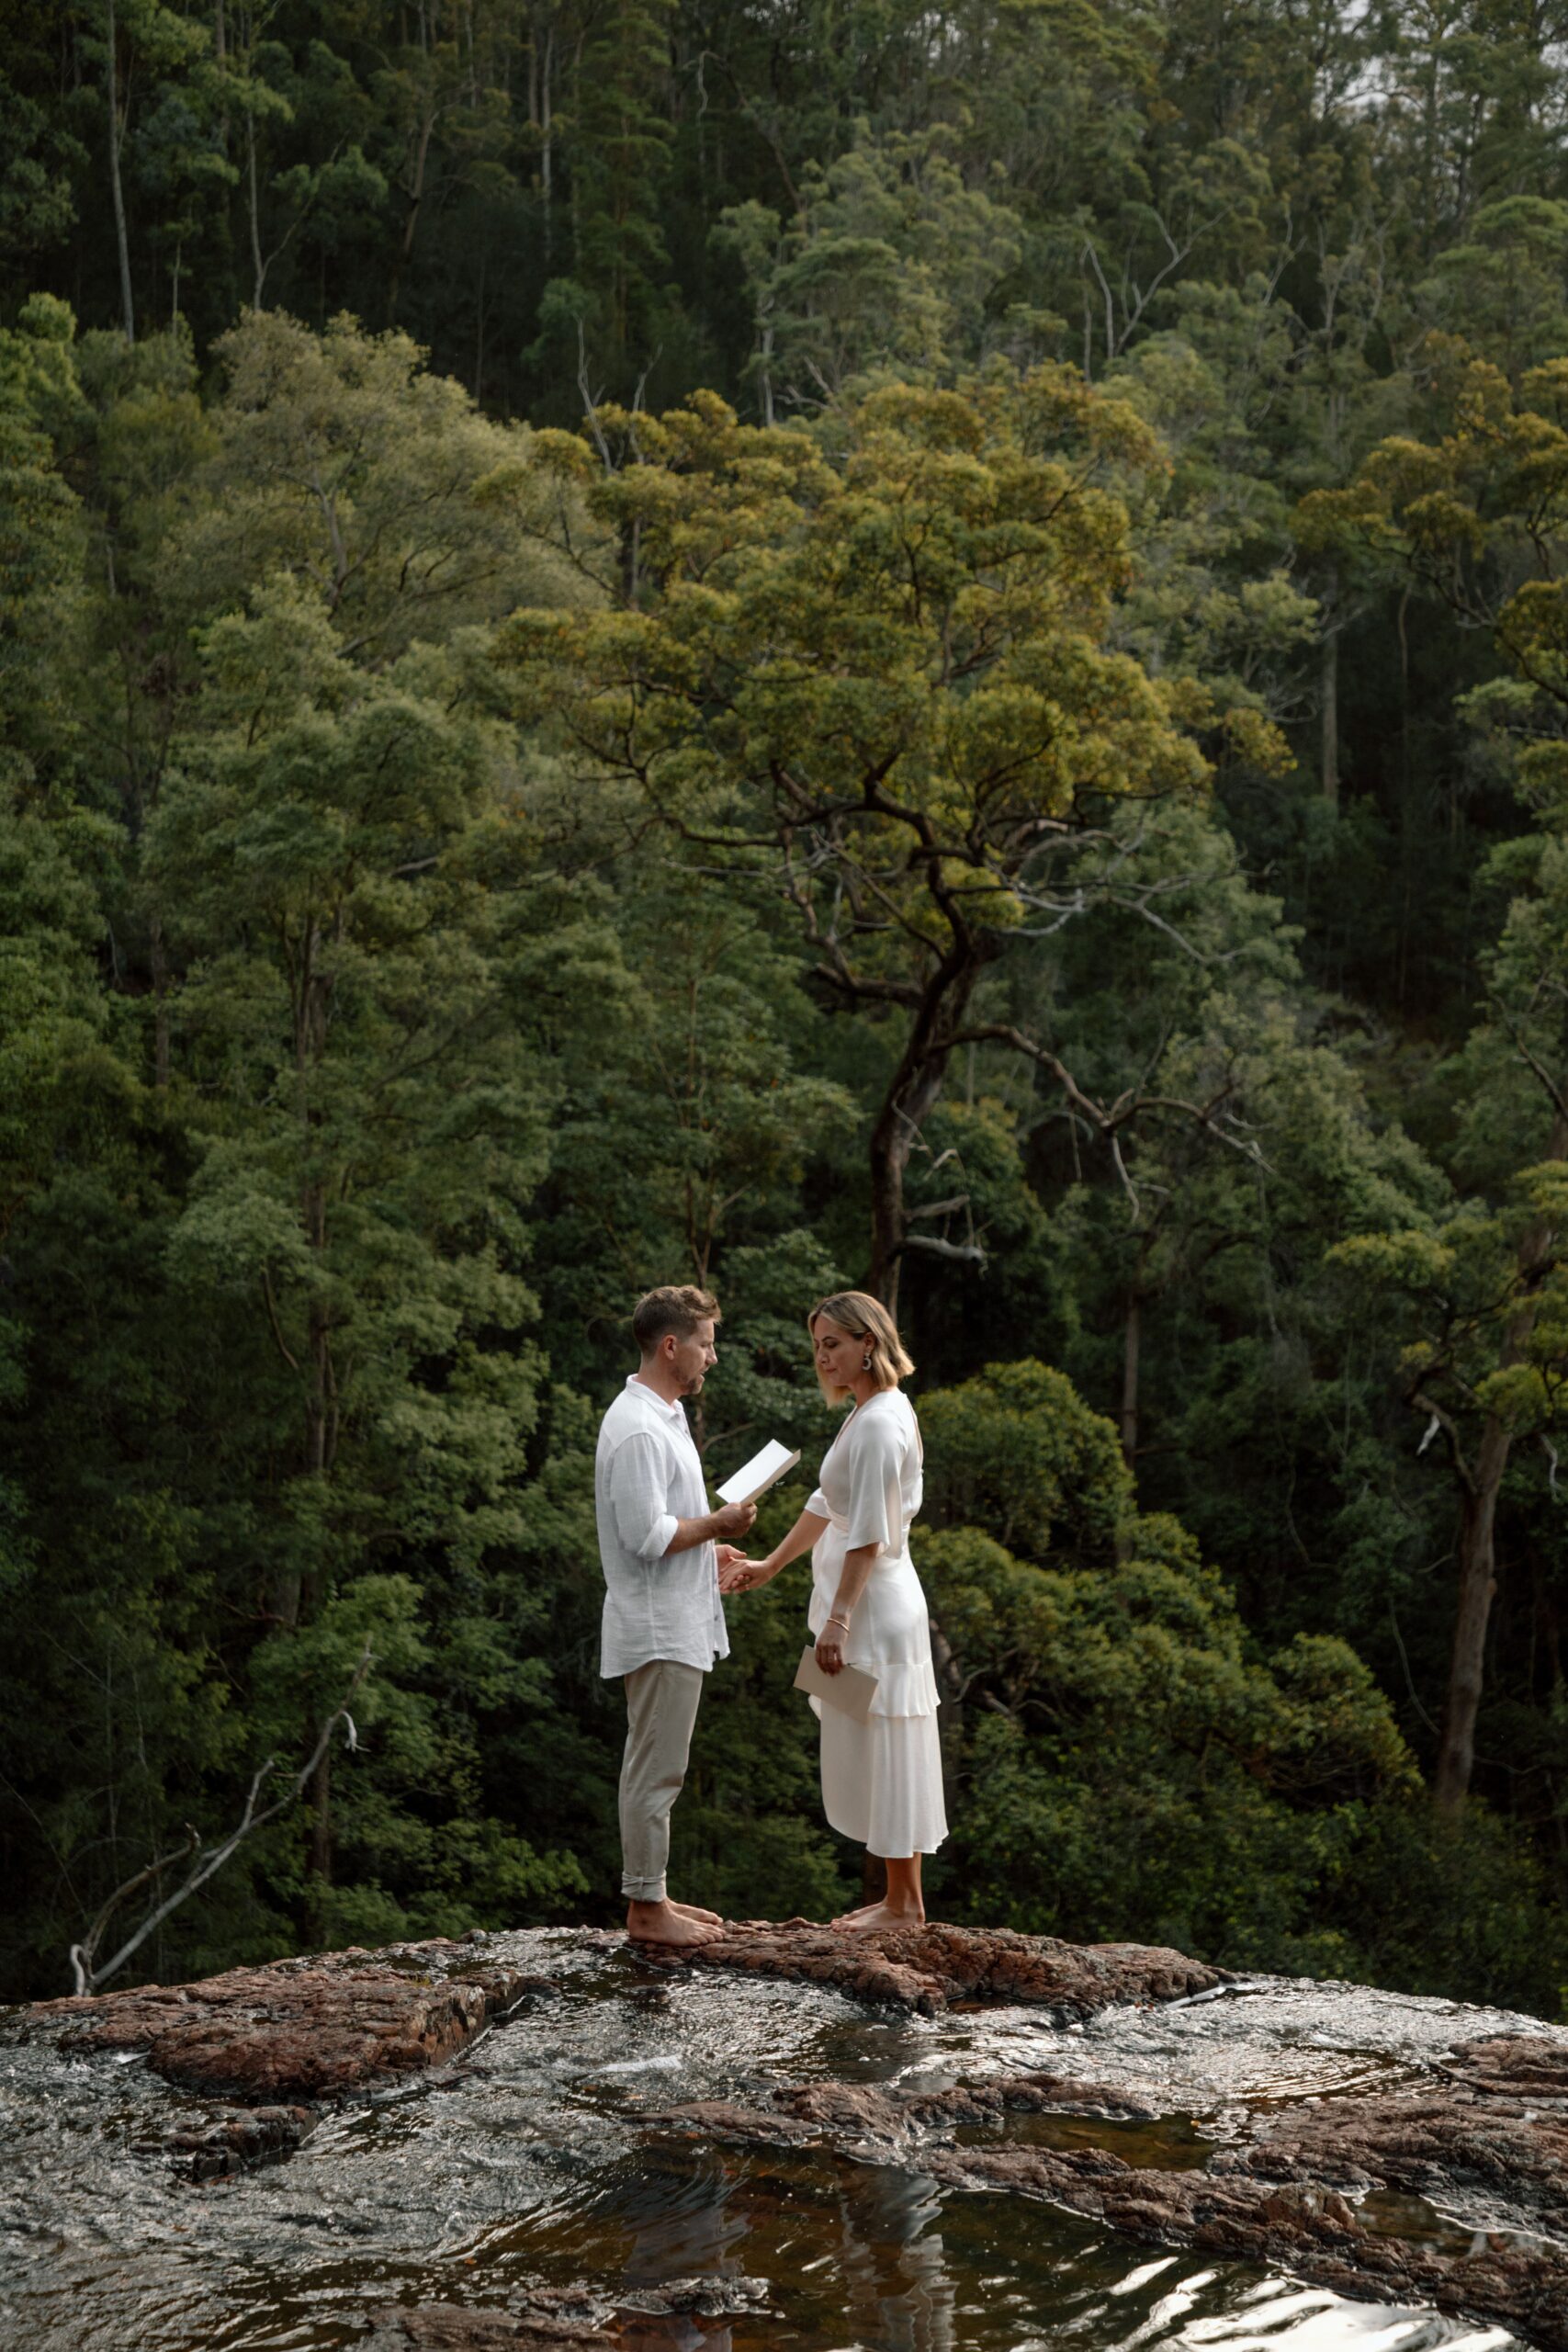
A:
[784,644]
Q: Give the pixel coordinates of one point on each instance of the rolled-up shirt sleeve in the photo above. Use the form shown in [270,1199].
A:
[640,1497]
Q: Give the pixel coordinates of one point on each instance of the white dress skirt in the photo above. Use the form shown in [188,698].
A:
[881,1779]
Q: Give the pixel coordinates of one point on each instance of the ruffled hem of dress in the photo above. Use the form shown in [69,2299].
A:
[902,1689]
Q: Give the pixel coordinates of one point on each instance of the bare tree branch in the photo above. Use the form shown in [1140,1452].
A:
[1449,1427]
[970,1253]
[88,1978]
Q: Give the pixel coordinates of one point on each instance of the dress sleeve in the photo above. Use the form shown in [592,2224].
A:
[875,1450]
[640,1497]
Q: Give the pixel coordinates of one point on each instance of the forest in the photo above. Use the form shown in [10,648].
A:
[786,643]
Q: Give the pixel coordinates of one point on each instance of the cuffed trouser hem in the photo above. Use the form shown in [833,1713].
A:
[662,1708]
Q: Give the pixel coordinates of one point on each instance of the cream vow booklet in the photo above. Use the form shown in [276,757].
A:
[763,1470]
[852,1689]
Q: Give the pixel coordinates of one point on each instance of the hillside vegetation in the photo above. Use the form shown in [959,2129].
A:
[785,645]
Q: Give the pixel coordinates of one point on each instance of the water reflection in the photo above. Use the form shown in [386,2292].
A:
[674,2332]
[882,2259]
[894,2261]
[533,2163]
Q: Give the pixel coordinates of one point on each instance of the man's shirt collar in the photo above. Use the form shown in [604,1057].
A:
[671,1408]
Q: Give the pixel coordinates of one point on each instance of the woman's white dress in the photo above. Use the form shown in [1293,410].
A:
[880,1779]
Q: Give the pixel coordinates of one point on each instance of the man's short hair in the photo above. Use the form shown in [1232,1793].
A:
[673,1306]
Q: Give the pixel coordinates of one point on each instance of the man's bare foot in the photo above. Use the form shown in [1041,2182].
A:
[695,1911]
[878,1918]
[665,1923]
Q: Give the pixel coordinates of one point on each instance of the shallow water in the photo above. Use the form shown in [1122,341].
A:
[530,2161]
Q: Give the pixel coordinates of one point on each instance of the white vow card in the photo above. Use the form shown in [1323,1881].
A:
[763,1470]
[852,1689]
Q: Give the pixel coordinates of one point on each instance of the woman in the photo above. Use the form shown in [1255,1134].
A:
[881,1779]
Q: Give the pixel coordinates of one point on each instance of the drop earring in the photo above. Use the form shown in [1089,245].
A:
[865,1363]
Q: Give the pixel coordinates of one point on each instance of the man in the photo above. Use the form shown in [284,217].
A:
[663,1618]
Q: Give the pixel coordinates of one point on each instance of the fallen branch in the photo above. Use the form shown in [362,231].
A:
[88,1978]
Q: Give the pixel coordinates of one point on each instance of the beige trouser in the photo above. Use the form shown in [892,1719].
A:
[661,1707]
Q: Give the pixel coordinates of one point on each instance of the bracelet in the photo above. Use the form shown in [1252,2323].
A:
[839,1621]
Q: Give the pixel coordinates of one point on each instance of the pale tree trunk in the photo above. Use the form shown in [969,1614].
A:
[258,267]
[220,59]
[1329,697]
[1477,1584]
[765,378]
[916,1088]
[320,1411]
[116,186]
[321,1871]
[1480,1482]
[298,1597]
[158,955]
[541,65]
[415,194]
[1131,1348]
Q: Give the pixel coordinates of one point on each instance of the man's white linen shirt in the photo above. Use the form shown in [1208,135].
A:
[647,1476]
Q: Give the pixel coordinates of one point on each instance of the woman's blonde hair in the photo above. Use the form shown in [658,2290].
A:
[865,1318]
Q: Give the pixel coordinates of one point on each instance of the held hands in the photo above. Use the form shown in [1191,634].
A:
[737,1574]
[732,1562]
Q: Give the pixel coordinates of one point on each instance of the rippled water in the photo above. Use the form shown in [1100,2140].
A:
[531,2160]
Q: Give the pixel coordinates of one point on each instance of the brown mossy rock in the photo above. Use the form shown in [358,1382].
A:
[927,1968]
[832,2104]
[709,2295]
[1427,2141]
[236,2141]
[1514,2066]
[562,2315]
[300,2029]
[1310,2228]
[867,2115]
[446,2327]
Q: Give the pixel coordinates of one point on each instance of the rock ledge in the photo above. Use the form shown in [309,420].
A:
[308,2029]
[926,1968]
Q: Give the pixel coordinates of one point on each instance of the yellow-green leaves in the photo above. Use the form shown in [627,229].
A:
[889,637]
[1483,1302]
[1414,1260]
[875,665]
[1477,515]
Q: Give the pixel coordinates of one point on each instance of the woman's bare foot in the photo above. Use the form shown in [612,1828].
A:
[695,1911]
[879,1917]
[861,1911]
[665,1923]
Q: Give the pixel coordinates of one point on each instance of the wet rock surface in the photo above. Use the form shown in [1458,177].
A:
[927,1968]
[306,2029]
[1431,2142]
[1309,2186]
[573,2316]
[1517,2065]
[864,2119]
[1315,2230]
[700,2299]
[1027,2144]
[229,2143]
